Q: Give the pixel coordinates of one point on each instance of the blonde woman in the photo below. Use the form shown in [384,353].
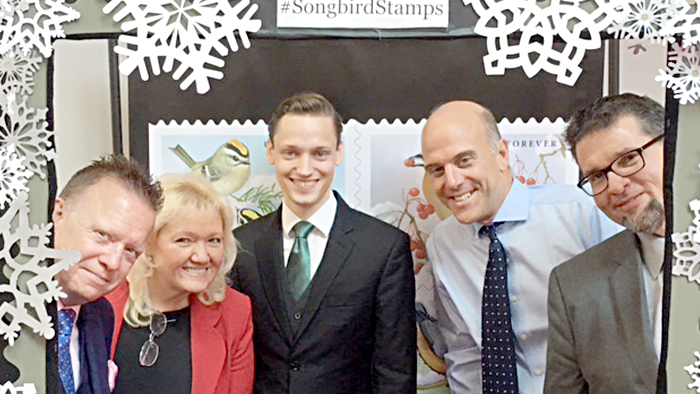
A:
[178,327]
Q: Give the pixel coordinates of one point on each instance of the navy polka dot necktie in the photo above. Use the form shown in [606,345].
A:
[65,367]
[497,339]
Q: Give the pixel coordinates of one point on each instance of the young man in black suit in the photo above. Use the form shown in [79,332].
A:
[334,309]
[106,212]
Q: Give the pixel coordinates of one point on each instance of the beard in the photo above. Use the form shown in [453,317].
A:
[649,221]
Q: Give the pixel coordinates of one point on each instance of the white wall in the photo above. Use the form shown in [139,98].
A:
[82,109]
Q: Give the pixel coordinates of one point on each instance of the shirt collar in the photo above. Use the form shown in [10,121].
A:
[653,252]
[60,306]
[322,219]
[515,207]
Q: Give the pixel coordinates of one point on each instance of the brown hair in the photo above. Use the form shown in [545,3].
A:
[118,167]
[305,103]
[606,111]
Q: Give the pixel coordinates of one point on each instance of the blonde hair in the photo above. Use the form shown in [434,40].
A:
[181,193]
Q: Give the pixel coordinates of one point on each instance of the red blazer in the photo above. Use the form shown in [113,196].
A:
[222,342]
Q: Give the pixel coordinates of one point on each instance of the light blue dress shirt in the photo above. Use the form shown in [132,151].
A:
[544,226]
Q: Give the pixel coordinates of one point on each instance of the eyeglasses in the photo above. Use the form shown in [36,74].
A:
[149,351]
[627,164]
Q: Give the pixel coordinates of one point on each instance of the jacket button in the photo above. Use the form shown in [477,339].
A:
[294,365]
[297,316]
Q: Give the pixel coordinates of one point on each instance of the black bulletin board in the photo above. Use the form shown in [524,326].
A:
[399,78]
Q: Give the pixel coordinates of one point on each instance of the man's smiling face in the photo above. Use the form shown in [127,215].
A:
[636,201]
[109,225]
[305,151]
[469,172]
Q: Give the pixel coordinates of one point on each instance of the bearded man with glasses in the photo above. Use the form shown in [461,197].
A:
[604,305]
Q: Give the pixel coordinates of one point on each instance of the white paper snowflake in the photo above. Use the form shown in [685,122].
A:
[17,71]
[682,74]
[30,24]
[694,373]
[13,175]
[695,207]
[26,128]
[534,51]
[646,19]
[29,243]
[9,388]
[687,255]
[186,31]
[687,248]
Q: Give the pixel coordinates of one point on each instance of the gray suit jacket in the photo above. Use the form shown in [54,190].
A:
[600,337]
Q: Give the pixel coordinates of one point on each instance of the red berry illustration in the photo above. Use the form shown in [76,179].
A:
[531,181]
[521,179]
[417,268]
[420,253]
[413,192]
[430,209]
[409,162]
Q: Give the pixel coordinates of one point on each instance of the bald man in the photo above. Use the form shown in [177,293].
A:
[529,230]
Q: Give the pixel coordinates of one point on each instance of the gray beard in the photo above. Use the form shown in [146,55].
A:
[650,220]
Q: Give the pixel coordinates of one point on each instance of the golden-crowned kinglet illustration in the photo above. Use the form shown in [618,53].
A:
[246,215]
[228,168]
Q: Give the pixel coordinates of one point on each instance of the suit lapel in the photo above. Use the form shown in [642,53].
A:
[93,355]
[85,326]
[629,302]
[269,256]
[337,250]
[208,347]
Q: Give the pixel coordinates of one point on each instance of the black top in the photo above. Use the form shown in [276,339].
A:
[172,372]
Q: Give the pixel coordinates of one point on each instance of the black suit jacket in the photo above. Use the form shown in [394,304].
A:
[357,330]
[95,325]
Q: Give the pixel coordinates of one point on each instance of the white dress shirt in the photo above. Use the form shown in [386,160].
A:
[74,342]
[653,255]
[322,221]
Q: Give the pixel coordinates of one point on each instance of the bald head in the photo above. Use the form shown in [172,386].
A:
[465,114]
[466,161]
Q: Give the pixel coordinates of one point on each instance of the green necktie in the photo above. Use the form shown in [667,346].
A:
[299,264]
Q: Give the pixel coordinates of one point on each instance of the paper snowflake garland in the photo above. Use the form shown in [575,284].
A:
[30,298]
[13,175]
[682,74]
[685,24]
[30,24]
[17,71]
[694,373]
[579,29]
[187,32]
[26,128]
[647,18]
[9,388]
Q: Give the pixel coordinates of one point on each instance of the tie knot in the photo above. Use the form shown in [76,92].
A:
[490,230]
[65,321]
[302,229]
